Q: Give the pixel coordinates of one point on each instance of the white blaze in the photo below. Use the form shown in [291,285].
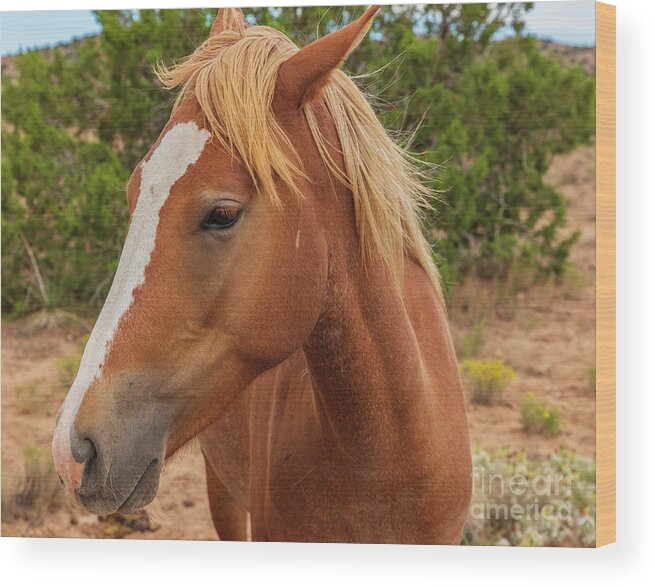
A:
[180,147]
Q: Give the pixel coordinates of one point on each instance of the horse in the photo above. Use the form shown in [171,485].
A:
[277,300]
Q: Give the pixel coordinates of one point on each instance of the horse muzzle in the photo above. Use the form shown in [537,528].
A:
[111,468]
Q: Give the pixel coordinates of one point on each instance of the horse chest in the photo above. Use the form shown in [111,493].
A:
[299,484]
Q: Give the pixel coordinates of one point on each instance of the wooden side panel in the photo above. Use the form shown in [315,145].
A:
[605,274]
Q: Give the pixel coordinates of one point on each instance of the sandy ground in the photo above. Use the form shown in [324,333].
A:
[546,334]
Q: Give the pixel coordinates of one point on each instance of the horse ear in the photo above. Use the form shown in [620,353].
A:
[229,19]
[302,76]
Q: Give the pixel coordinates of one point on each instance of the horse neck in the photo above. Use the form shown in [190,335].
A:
[365,362]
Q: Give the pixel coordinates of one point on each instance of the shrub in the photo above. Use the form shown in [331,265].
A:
[497,123]
[34,491]
[63,214]
[539,417]
[487,378]
[514,497]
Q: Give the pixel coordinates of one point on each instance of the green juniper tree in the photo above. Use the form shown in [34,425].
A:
[63,214]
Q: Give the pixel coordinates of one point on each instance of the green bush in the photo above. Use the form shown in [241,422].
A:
[63,214]
[487,379]
[539,417]
[495,114]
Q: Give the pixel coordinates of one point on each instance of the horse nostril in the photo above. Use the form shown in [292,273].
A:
[86,451]
[85,454]
[83,449]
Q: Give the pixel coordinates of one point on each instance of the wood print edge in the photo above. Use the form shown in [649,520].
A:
[605,274]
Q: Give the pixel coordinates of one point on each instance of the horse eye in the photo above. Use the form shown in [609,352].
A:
[220,218]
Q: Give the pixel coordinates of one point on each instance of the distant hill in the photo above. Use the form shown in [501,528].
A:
[9,61]
[582,56]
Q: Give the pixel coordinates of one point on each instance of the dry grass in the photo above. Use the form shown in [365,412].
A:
[50,320]
[34,492]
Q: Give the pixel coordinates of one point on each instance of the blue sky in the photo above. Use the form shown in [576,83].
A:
[571,23]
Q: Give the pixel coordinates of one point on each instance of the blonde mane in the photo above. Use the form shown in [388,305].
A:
[233,75]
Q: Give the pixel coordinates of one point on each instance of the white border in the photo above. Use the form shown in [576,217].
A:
[95,563]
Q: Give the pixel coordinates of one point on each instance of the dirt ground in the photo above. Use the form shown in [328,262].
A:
[545,333]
